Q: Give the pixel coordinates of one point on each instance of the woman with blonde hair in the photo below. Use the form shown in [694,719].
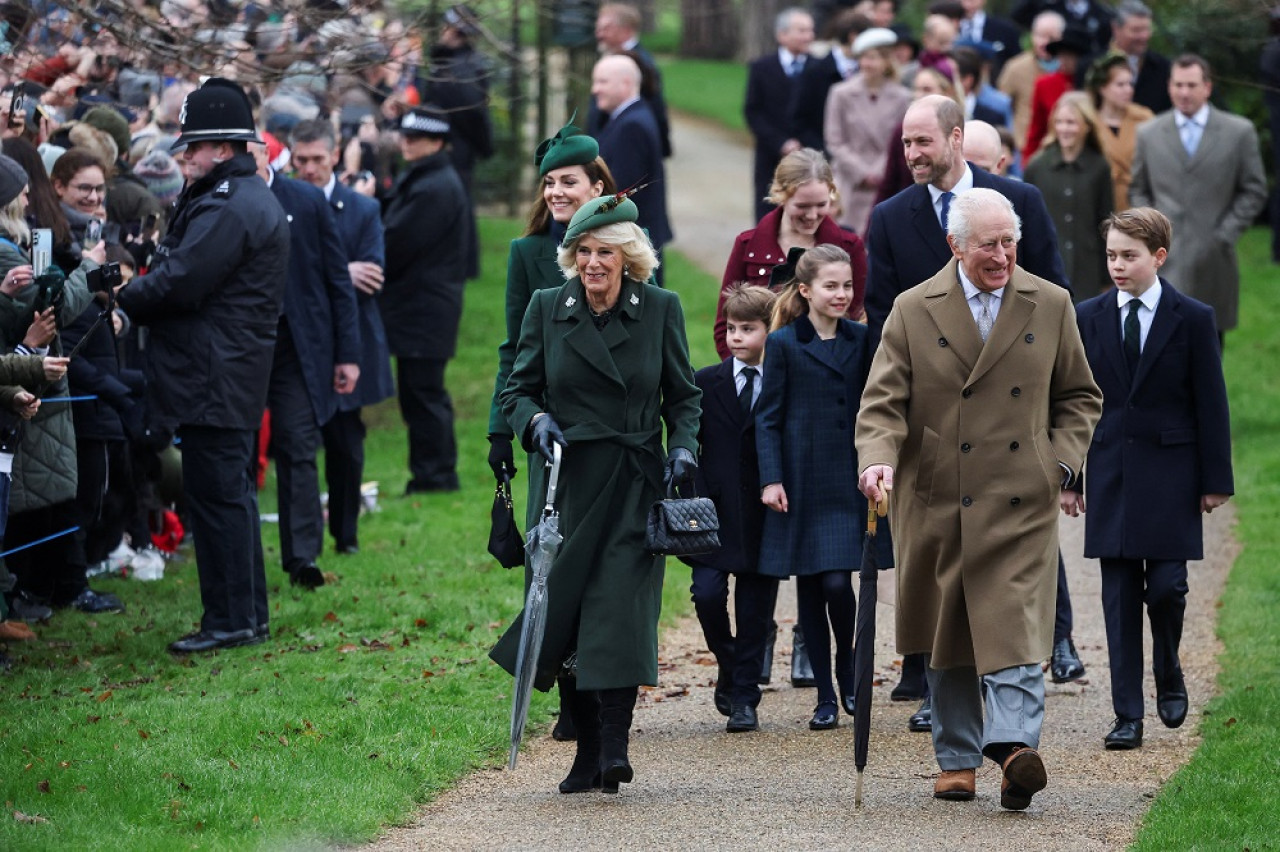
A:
[1110,82]
[804,189]
[1075,178]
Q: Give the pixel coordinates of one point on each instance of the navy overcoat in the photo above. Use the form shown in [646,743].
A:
[359,221]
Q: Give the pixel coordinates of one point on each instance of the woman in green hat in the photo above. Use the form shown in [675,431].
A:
[571,173]
[602,363]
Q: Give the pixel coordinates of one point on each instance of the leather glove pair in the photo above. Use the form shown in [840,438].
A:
[546,432]
[681,468]
[501,457]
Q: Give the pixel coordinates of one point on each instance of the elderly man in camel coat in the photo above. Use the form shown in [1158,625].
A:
[977,413]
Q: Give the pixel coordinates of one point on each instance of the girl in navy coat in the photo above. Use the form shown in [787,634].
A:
[1160,457]
[816,366]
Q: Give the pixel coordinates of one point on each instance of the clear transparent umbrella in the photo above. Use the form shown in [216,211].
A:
[542,544]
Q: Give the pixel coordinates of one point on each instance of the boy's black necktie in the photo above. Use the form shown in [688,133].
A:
[748,388]
[1132,337]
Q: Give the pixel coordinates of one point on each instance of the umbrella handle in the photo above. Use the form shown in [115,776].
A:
[553,481]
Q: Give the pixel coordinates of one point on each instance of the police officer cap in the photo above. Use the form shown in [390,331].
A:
[425,120]
[598,212]
[217,111]
[569,147]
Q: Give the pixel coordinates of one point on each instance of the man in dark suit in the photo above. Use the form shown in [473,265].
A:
[315,154]
[806,115]
[617,31]
[771,83]
[316,358]
[1091,16]
[1001,33]
[1130,35]
[630,143]
[907,245]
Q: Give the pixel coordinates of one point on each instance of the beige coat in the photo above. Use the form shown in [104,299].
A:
[858,130]
[1211,199]
[1018,81]
[1118,147]
[975,434]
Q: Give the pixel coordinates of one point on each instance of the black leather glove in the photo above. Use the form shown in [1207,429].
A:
[501,458]
[681,468]
[546,432]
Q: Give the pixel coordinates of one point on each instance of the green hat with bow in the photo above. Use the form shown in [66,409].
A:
[569,147]
[599,212]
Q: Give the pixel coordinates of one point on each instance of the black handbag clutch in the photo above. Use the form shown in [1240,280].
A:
[682,526]
[505,541]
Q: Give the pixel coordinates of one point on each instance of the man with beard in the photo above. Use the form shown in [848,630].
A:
[907,244]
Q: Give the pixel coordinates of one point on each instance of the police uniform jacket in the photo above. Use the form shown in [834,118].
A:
[974,433]
[611,390]
[212,300]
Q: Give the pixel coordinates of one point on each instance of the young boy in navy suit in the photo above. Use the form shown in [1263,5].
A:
[1160,457]
[728,474]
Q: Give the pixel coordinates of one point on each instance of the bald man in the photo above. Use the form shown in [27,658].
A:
[631,144]
[983,148]
[618,31]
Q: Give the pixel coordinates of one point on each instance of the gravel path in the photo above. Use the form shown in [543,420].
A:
[788,787]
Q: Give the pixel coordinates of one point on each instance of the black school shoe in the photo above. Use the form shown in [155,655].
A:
[93,602]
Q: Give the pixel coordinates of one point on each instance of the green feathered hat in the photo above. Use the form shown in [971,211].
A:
[569,147]
[598,212]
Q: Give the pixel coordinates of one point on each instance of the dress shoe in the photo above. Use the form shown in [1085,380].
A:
[824,717]
[766,668]
[306,575]
[1065,665]
[263,631]
[801,669]
[921,721]
[16,631]
[95,602]
[1125,734]
[209,640]
[955,784]
[1024,776]
[742,719]
[1171,702]
[350,549]
[27,608]
[723,686]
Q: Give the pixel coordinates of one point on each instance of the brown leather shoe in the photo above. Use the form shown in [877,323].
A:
[955,784]
[1024,776]
[16,631]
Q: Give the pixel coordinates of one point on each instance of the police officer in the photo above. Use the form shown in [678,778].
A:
[212,300]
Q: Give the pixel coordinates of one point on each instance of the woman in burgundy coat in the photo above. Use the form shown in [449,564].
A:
[805,192]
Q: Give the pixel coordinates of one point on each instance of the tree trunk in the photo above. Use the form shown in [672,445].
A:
[709,29]
[758,17]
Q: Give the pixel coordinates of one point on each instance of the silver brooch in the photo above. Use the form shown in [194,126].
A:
[635,300]
[570,302]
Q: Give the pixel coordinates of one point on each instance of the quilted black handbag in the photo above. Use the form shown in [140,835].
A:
[505,542]
[682,526]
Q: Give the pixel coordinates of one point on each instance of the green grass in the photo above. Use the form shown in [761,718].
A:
[374,695]
[705,88]
[1225,798]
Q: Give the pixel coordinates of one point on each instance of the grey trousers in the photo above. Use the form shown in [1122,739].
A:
[1014,711]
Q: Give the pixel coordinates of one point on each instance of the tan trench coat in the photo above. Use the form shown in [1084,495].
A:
[975,435]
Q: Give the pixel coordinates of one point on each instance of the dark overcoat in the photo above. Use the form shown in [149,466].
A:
[804,437]
[531,266]
[1165,435]
[1079,196]
[426,219]
[975,434]
[806,114]
[319,300]
[631,144]
[907,244]
[728,472]
[359,223]
[611,391]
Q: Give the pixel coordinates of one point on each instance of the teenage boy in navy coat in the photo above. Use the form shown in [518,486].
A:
[1160,457]
[728,473]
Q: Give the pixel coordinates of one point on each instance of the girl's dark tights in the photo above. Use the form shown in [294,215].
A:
[827,605]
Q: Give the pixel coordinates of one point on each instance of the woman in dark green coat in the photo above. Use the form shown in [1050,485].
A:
[570,174]
[602,363]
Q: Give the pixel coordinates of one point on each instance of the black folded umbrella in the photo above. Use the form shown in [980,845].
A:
[864,649]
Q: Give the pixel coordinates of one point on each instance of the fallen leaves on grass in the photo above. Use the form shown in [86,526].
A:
[29,819]
[43,786]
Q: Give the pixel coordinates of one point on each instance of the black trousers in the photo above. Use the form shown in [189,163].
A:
[1126,585]
[428,412]
[222,506]
[343,471]
[742,656]
[52,572]
[105,499]
[295,441]
[1063,623]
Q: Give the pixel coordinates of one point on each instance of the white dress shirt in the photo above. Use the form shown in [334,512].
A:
[740,381]
[971,297]
[1149,299]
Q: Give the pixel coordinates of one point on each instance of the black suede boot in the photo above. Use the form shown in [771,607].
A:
[565,730]
[584,709]
[616,709]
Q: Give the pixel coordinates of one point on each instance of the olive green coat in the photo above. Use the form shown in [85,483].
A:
[974,433]
[611,391]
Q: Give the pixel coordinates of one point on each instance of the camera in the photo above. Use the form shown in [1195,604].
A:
[105,278]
